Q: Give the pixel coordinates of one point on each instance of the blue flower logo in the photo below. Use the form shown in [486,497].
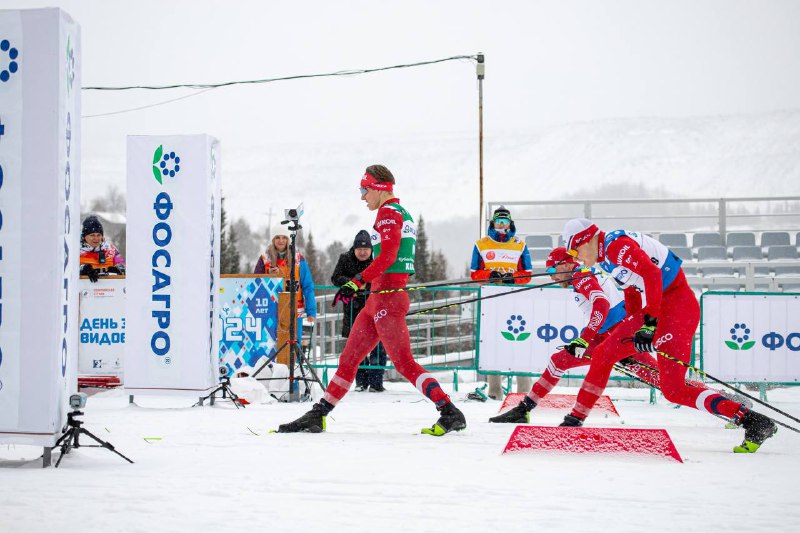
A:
[515,329]
[740,338]
[13,64]
[165,164]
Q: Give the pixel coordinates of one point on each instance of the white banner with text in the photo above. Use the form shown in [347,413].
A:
[171,343]
[751,337]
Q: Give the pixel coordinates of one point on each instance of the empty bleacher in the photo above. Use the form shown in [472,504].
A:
[726,244]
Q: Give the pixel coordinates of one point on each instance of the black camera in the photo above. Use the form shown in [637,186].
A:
[293,215]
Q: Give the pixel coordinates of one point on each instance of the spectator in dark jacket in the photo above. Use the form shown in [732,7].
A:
[351,263]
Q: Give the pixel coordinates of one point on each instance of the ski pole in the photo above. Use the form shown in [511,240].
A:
[481,298]
[725,384]
[622,369]
[451,283]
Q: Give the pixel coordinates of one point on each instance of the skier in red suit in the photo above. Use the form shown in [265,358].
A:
[603,306]
[384,317]
[665,323]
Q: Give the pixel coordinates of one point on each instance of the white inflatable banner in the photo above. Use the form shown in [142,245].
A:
[102,327]
[171,341]
[519,332]
[39,221]
[751,337]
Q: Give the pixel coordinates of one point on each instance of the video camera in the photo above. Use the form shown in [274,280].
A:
[293,215]
[77,401]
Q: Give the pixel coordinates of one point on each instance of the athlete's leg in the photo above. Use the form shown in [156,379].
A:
[608,352]
[560,362]
[363,337]
[674,337]
[388,313]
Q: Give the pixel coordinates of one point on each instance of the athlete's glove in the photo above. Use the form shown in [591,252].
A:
[87,270]
[508,277]
[288,284]
[116,270]
[643,338]
[347,291]
[577,347]
[495,275]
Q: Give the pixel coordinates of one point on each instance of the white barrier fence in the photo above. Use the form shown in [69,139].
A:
[519,332]
[751,337]
[102,327]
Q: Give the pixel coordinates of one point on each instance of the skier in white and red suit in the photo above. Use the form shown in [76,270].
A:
[384,316]
[603,306]
[666,323]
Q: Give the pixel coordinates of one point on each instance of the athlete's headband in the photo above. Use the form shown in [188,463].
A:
[369,182]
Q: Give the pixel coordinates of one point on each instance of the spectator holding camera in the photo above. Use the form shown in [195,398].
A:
[98,256]
[501,257]
[277,261]
[350,263]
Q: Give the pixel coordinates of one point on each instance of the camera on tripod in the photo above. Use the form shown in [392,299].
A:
[293,215]
[77,401]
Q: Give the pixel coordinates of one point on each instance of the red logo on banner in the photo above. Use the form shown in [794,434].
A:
[490,255]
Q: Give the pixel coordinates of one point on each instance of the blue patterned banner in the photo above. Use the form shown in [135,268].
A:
[249,315]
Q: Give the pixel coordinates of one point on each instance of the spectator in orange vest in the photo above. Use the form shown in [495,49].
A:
[98,256]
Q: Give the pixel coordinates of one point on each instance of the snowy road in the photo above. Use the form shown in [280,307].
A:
[373,471]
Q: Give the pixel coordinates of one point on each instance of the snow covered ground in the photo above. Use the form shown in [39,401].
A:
[218,469]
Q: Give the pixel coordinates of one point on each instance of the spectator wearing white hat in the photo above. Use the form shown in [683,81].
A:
[276,260]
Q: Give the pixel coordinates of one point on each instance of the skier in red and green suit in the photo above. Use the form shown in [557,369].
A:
[383,319]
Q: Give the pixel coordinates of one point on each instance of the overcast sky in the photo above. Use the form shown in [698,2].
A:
[549,63]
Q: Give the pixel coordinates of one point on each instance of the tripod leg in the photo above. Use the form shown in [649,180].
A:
[304,360]
[104,444]
[66,446]
[233,396]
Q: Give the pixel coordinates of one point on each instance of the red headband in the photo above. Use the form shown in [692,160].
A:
[369,182]
[582,237]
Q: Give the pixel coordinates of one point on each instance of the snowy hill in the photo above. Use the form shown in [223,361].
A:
[438,175]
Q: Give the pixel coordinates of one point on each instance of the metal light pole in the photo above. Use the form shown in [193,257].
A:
[481,71]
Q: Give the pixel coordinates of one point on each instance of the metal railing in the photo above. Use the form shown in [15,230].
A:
[441,340]
[658,215]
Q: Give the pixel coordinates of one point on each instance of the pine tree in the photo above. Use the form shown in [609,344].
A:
[437,269]
[332,251]
[422,258]
[312,256]
[229,253]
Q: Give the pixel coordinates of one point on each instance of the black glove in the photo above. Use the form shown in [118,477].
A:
[496,275]
[289,283]
[87,270]
[577,347]
[116,270]
[508,277]
[643,338]
[348,291]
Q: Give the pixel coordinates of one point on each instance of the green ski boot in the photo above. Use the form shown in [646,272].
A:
[757,429]
[311,422]
[450,419]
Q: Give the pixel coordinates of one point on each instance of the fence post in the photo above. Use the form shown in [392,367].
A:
[723,223]
[587,210]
